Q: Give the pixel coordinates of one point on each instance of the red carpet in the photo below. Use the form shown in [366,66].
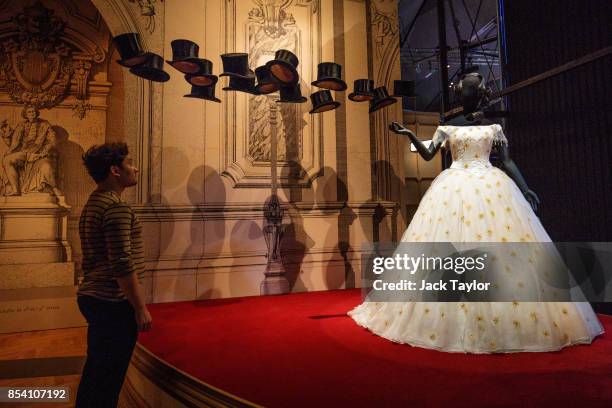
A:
[302,350]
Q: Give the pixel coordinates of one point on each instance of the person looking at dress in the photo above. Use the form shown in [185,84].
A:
[110,297]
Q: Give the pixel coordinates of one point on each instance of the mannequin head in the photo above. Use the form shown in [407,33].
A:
[472,92]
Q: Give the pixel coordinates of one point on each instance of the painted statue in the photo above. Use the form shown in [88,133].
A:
[29,163]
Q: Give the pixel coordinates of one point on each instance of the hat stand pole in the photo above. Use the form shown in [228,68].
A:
[275,282]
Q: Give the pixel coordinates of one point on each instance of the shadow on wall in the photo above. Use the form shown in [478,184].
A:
[70,163]
[295,242]
[168,287]
[245,240]
[382,230]
[206,182]
[345,277]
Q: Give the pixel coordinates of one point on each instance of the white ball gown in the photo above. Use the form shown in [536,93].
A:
[469,202]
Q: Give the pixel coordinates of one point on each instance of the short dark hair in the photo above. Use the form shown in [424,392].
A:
[99,159]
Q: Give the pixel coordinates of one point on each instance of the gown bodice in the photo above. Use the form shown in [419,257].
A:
[470,146]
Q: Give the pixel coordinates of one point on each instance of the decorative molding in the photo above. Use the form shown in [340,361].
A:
[385,24]
[147,10]
[246,148]
[129,397]
[184,388]
[43,58]
[253,211]
[147,98]
[272,17]
[385,38]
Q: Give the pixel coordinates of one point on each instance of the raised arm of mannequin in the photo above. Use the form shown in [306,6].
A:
[426,153]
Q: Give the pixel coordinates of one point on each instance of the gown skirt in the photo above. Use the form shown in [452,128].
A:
[474,201]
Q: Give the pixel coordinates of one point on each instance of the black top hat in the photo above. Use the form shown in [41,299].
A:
[363,90]
[265,82]
[129,48]
[242,85]
[381,99]
[151,69]
[403,88]
[185,56]
[291,94]
[322,101]
[203,76]
[329,76]
[284,67]
[203,92]
[237,65]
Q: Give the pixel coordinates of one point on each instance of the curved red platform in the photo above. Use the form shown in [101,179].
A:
[302,350]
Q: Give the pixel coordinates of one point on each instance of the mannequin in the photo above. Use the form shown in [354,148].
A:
[474,203]
[473,96]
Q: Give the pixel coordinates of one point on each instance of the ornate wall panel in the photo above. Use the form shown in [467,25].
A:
[386,148]
[50,56]
[261,29]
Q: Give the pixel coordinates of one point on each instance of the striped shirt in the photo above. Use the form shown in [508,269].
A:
[111,244]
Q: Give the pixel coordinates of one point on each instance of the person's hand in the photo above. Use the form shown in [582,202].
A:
[533,199]
[143,319]
[397,128]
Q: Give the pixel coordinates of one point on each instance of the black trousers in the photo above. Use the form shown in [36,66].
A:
[111,336]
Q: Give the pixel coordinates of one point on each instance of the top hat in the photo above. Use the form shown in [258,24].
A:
[203,92]
[363,90]
[322,101]
[237,65]
[291,94]
[185,56]
[129,48]
[265,82]
[381,99]
[151,69]
[242,85]
[284,67]
[329,77]
[403,88]
[203,76]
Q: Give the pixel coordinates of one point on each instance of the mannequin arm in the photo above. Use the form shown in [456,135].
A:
[511,169]
[426,153]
